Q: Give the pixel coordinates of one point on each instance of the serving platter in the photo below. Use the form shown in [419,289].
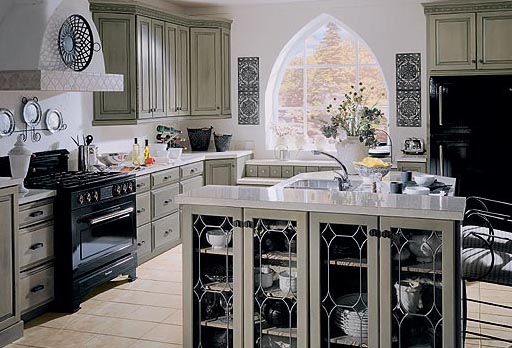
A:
[7,123]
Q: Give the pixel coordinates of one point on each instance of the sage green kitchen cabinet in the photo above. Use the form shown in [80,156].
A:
[226,70]
[493,40]
[220,172]
[466,36]
[118,35]
[206,71]
[452,41]
[152,49]
[11,328]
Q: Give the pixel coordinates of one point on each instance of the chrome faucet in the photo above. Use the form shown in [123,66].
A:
[342,177]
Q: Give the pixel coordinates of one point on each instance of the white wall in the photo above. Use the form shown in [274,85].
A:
[387,26]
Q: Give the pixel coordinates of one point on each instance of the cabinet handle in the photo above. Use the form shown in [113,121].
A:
[167,201]
[481,61]
[139,185]
[141,243]
[374,233]
[37,288]
[141,210]
[166,178]
[36,213]
[249,224]
[440,91]
[166,233]
[473,61]
[386,234]
[237,223]
[37,246]
[218,107]
[441,160]
[192,171]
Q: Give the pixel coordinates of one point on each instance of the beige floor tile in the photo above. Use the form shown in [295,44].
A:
[153,344]
[54,338]
[110,326]
[126,310]
[103,341]
[15,346]
[142,298]
[165,333]
[171,263]
[53,320]
[158,274]
[176,318]
[155,286]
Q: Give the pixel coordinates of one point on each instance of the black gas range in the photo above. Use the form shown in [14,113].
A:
[95,225]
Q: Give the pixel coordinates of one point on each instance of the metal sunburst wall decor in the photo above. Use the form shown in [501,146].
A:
[248,91]
[76,45]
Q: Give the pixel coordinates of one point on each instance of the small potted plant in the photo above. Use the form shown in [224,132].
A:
[353,124]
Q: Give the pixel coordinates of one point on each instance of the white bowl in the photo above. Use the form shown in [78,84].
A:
[424,248]
[157,147]
[267,277]
[218,238]
[288,281]
[416,190]
[424,179]
[175,153]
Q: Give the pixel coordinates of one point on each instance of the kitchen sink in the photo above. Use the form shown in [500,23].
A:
[319,184]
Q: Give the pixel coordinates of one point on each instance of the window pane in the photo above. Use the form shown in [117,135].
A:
[371,76]
[383,138]
[365,56]
[331,45]
[315,121]
[296,56]
[291,91]
[326,83]
[292,118]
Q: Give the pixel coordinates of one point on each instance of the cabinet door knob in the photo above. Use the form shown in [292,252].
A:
[141,210]
[374,232]
[218,107]
[473,61]
[481,61]
[168,201]
[141,243]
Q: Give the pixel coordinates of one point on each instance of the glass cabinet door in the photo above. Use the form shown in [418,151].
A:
[418,307]
[212,289]
[276,285]
[344,281]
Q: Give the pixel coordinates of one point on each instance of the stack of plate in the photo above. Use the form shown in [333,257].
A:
[352,315]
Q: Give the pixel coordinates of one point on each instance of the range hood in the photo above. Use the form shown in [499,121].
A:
[29,49]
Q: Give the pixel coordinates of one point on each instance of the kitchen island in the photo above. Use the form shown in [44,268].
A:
[291,267]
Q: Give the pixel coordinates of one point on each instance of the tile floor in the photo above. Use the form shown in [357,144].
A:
[143,314]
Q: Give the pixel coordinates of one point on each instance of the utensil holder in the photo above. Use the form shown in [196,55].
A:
[82,158]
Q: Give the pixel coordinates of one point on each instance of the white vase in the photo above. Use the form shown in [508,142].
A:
[351,150]
[19,159]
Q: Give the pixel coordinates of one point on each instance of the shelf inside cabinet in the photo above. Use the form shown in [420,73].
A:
[275,292]
[217,251]
[280,256]
[429,268]
[350,341]
[349,262]
[219,286]
[220,323]
[280,331]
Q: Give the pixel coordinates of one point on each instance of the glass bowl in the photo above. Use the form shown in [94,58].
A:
[367,172]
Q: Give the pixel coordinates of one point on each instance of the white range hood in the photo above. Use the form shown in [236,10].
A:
[29,53]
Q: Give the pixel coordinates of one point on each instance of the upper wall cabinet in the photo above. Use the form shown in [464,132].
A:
[170,69]
[469,37]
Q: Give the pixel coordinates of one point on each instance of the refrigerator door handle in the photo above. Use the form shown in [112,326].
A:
[440,99]
[441,160]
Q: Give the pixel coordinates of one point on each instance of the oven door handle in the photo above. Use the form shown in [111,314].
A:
[115,215]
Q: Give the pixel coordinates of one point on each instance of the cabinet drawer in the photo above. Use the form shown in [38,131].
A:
[251,171]
[32,214]
[263,171]
[275,171]
[143,183]
[163,200]
[312,169]
[191,170]
[299,170]
[36,288]
[191,184]
[143,209]
[35,244]
[165,177]
[143,240]
[166,230]
[286,171]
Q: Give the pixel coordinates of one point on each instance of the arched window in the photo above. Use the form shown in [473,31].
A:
[320,63]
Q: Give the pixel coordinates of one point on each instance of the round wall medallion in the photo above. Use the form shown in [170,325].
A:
[76,45]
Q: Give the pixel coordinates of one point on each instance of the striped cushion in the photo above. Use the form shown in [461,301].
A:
[477,261]
[503,243]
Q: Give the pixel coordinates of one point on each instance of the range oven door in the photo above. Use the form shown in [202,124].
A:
[102,234]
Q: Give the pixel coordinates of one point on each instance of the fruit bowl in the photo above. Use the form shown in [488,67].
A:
[366,172]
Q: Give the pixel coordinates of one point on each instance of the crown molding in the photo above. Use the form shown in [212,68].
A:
[470,6]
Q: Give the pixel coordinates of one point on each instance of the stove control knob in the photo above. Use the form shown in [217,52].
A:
[95,196]
[125,188]
[81,198]
[116,190]
[130,187]
[88,197]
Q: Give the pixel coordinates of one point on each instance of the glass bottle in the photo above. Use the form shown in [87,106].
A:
[147,155]
[136,153]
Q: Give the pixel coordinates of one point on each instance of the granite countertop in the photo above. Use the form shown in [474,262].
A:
[8,182]
[36,195]
[348,202]
[222,155]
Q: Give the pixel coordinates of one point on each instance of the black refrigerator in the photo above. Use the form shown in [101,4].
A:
[471,133]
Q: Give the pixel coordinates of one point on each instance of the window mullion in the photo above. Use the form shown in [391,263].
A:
[305,93]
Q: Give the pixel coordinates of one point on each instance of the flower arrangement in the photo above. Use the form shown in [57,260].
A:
[354,117]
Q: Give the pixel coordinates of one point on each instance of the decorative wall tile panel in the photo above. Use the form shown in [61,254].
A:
[408,104]
[248,91]
[408,89]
